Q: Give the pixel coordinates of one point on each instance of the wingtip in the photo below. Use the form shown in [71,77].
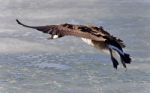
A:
[18,21]
[21,23]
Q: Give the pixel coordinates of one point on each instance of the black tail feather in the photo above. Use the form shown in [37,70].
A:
[114,61]
[125,58]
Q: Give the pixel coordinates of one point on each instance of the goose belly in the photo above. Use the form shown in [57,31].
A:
[98,45]
[88,41]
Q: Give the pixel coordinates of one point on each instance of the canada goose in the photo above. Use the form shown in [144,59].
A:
[92,35]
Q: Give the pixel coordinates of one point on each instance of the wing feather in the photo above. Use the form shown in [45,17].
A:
[61,30]
[89,32]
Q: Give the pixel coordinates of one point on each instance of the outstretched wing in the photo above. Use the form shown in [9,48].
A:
[62,30]
[99,32]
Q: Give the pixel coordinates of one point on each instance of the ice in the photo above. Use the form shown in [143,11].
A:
[52,65]
[29,63]
[13,45]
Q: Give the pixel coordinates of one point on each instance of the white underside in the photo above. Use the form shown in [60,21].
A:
[114,49]
[88,41]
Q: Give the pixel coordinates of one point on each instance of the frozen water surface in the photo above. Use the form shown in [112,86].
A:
[29,63]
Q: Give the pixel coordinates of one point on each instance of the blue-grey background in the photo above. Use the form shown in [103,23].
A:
[29,63]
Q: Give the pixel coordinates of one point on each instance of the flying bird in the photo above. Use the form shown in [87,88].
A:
[92,35]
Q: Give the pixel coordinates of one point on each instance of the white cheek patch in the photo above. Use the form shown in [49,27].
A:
[55,36]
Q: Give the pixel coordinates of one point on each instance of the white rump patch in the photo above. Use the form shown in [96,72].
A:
[88,41]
